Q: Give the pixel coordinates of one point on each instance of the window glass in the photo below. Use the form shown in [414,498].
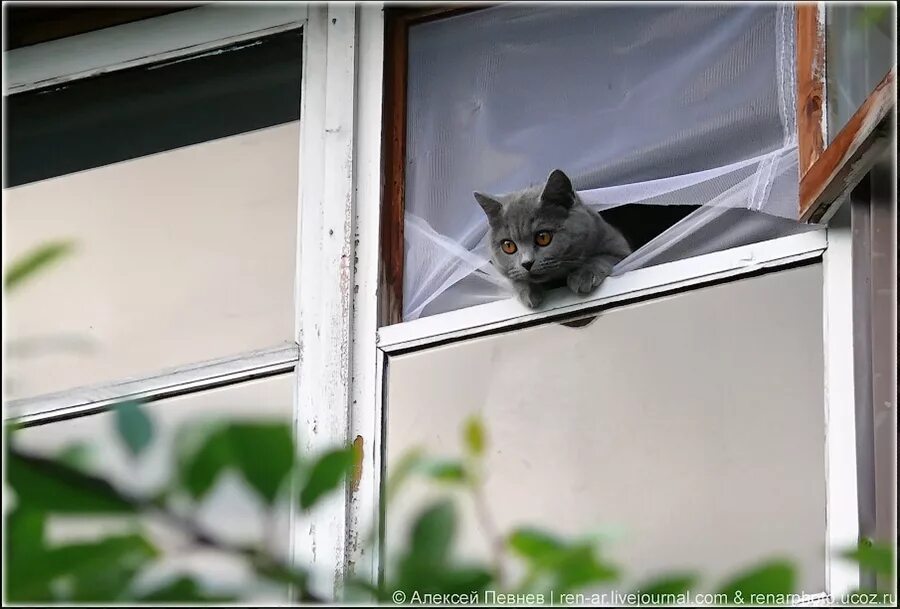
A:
[688,429]
[231,511]
[860,45]
[176,185]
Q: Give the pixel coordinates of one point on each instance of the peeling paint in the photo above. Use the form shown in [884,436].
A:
[358,453]
[207,54]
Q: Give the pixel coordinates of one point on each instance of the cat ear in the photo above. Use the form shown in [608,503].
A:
[492,207]
[558,190]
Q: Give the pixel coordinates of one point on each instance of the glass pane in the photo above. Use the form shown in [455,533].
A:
[177,186]
[688,427]
[231,511]
[860,43]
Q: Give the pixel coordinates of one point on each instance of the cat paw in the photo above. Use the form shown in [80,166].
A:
[583,281]
[529,295]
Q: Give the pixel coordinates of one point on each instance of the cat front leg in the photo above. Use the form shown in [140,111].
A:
[591,274]
[529,294]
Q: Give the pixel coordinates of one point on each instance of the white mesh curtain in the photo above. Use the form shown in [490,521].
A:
[661,105]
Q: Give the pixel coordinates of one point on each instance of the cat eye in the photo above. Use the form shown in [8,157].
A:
[508,246]
[543,238]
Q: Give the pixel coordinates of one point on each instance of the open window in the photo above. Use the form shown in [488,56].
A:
[701,132]
[686,127]
[686,141]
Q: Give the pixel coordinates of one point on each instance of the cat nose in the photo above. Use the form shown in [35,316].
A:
[527,264]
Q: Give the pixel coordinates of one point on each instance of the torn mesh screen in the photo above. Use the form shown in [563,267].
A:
[640,105]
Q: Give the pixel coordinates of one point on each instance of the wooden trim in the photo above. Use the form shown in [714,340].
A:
[390,268]
[851,154]
[397,24]
[810,84]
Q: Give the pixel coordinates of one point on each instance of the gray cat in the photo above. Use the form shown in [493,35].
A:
[544,234]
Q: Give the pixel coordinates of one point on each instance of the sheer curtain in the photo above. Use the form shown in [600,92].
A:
[657,105]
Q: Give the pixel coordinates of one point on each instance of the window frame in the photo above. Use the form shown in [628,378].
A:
[823,169]
[829,173]
[183,33]
[811,128]
[348,236]
[179,34]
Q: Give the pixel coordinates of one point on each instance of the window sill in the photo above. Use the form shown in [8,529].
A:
[641,283]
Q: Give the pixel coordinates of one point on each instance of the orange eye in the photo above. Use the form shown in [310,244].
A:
[543,238]
[508,246]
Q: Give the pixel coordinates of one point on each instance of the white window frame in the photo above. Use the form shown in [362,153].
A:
[362,363]
[174,37]
[339,354]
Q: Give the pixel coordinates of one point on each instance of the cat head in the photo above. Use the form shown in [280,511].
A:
[530,238]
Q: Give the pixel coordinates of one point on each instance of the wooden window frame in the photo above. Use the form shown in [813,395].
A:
[829,173]
[397,23]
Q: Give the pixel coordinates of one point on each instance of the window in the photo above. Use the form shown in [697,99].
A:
[176,184]
[362,359]
[468,94]
[679,138]
[166,151]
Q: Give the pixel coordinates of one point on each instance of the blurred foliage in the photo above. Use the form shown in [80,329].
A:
[874,15]
[33,262]
[264,456]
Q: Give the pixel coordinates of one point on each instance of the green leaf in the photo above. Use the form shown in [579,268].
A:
[199,469]
[23,546]
[407,465]
[465,580]
[84,557]
[669,584]
[326,474]
[432,534]
[536,545]
[32,262]
[264,454]
[104,570]
[474,436]
[873,15]
[775,577]
[77,456]
[182,590]
[425,564]
[47,485]
[134,426]
[444,470]
[568,565]
[94,571]
[872,557]
[578,567]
